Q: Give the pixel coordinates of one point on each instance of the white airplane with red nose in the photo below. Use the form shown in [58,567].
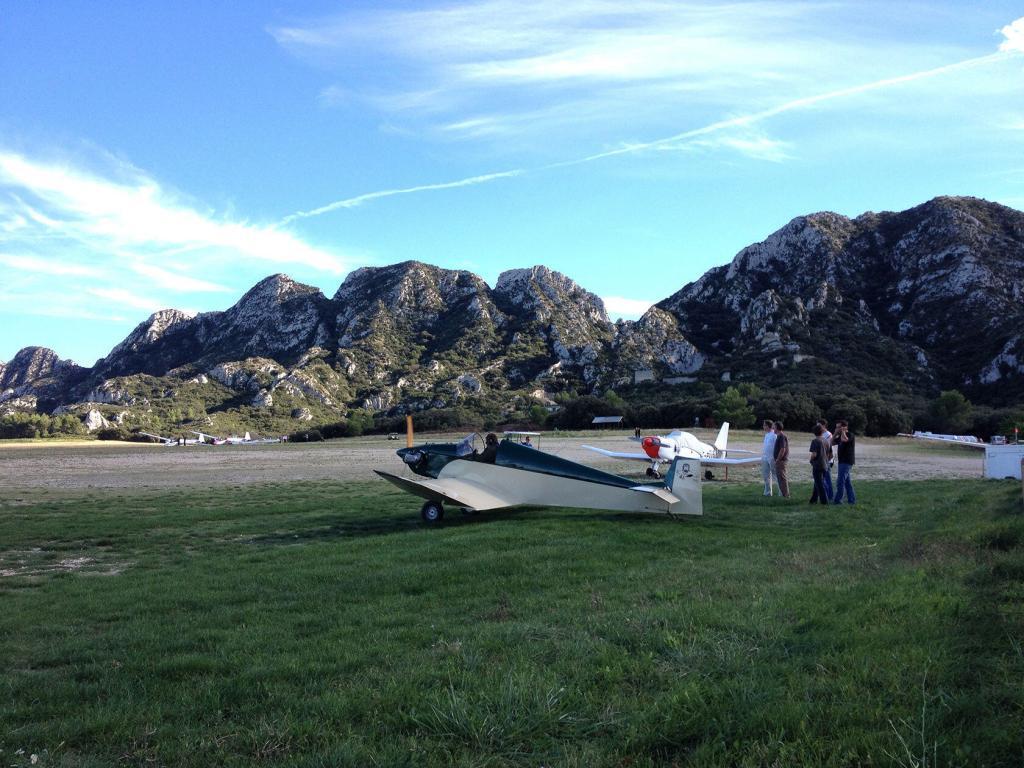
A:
[658,450]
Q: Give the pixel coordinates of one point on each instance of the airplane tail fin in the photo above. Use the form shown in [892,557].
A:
[683,482]
[722,441]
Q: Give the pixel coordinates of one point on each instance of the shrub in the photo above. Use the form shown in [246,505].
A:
[111,433]
[306,436]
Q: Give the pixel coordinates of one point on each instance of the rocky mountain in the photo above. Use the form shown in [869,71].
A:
[933,296]
[928,298]
[37,379]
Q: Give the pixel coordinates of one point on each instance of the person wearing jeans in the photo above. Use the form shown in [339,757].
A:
[819,465]
[768,457]
[826,438]
[843,441]
[781,454]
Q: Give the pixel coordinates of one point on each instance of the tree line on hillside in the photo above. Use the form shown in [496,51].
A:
[22,426]
[744,406]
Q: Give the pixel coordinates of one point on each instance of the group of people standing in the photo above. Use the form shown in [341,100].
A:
[827,448]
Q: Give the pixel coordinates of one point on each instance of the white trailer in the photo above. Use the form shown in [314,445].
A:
[1003,462]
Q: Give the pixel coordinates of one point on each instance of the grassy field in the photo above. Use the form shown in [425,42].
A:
[322,624]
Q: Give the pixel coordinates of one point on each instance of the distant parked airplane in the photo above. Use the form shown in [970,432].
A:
[246,439]
[176,440]
[659,450]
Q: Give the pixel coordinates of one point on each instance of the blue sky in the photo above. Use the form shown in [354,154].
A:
[172,154]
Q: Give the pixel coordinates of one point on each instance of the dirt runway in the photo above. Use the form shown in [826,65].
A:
[24,467]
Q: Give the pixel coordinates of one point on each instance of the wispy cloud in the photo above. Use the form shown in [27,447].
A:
[46,266]
[99,240]
[736,133]
[352,202]
[806,102]
[461,60]
[119,298]
[495,69]
[133,213]
[176,281]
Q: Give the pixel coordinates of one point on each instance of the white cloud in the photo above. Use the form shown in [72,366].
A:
[120,298]
[47,266]
[461,60]
[134,214]
[114,245]
[751,144]
[1014,37]
[175,281]
[630,309]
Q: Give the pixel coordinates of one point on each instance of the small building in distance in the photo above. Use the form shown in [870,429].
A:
[607,421]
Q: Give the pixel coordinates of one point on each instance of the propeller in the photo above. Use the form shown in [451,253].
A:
[408,430]
[652,446]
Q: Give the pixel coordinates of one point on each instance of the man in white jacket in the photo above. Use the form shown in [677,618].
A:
[767,457]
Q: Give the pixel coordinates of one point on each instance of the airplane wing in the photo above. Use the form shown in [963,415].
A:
[459,493]
[645,457]
[617,454]
[740,450]
[727,462]
[968,440]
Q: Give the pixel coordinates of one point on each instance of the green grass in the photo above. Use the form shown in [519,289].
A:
[319,624]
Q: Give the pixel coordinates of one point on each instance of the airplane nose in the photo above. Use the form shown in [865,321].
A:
[651,446]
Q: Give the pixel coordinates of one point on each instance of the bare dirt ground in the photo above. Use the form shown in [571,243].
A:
[27,466]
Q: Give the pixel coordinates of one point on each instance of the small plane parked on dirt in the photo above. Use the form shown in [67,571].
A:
[676,444]
[508,474]
[176,440]
[246,439]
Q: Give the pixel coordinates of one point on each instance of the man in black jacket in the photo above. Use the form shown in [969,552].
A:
[819,465]
[843,441]
[490,451]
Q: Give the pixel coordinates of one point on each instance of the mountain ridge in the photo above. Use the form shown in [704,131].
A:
[928,298]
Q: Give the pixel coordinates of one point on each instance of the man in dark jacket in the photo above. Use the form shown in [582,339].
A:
[490,451]
[781,455]
[819,465]
[843,441]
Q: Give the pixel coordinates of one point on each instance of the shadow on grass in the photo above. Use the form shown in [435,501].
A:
[389,524]
[357,528]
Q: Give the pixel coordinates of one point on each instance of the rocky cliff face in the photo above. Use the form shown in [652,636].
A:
[932,296]
[37,374]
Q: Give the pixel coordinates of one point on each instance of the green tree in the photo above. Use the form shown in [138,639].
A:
[734,407]
[358,422]
[612,398]
[852,412]
[796,412]
[950,412]
[882,418]
[538,415]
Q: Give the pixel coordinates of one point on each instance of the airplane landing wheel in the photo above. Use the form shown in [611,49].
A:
[652,472]
[432,512]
